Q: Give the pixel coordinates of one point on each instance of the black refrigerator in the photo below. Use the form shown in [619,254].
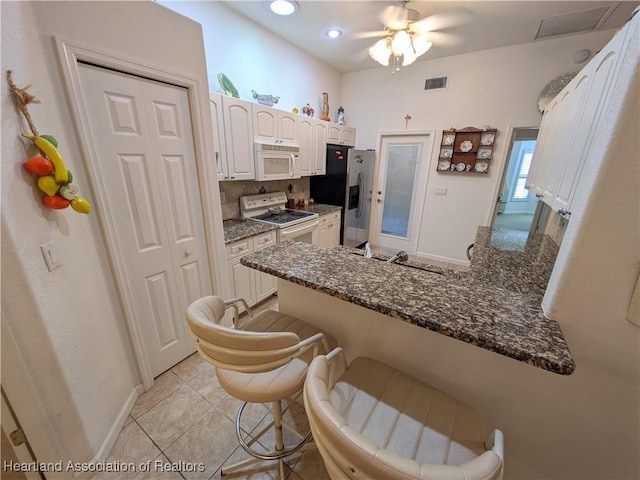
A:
[348,183]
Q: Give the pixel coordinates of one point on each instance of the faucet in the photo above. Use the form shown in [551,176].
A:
[401,256]
[367,250]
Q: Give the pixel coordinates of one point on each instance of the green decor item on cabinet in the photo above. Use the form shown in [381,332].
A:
[226,85]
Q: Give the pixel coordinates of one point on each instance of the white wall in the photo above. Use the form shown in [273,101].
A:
[255,59]
[498,87]
[68,324]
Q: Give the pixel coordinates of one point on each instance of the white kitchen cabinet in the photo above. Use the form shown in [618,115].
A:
[238,136]
[595,81]
[328,233]
[549,157]
[271,125]
[570,124]
[341,135]
[220,153]
[313,146]
[252,285]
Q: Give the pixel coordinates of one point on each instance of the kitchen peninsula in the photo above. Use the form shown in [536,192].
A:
[499,311]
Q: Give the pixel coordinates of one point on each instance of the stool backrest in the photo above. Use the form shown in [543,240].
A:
[348,454]
[233,348]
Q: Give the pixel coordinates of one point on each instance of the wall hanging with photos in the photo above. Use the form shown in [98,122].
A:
[467,150]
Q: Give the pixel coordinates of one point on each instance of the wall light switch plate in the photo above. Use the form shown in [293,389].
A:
[441,190]
[50,256]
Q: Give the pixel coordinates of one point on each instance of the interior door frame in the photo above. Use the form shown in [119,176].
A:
[493,210]
[430,134]
[70,53]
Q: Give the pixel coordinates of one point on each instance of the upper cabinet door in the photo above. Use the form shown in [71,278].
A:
[265,124]
[238,134]
[319,147]
[341,135]
[215,102]
[334,134]
[305,139]
[271,125]
[348,136]
[288,127]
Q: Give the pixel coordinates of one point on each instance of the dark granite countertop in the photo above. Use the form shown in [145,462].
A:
[457,304]
[320,208]
[238,228]
[513,260]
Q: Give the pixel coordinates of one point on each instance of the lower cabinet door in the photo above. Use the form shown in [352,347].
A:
[242,281]
[265,285]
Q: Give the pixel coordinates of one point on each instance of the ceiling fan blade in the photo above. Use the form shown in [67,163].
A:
[392,13]
[440,21]
[370,34]
[444,39]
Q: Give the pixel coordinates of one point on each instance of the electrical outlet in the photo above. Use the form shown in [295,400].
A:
[441,191]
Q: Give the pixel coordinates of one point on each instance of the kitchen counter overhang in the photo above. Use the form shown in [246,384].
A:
[492,318]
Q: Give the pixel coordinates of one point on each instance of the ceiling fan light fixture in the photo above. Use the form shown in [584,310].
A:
[381,51]
[421,45]
[283,7]
[401,42]
[404,45]
[408,57]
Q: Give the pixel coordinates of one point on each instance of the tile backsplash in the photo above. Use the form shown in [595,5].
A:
[230,192]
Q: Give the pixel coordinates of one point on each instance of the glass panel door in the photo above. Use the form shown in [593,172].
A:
[400,191]
[400,186]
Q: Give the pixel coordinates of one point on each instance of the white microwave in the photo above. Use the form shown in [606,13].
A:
[277,162]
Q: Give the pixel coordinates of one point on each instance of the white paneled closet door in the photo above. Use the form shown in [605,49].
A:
[142,133]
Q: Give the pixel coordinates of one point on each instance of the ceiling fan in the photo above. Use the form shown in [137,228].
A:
[406,36]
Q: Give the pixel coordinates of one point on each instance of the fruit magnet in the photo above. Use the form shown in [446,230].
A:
[53,178]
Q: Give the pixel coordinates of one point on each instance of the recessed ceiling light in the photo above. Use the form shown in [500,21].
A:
[333,33]
[283,7]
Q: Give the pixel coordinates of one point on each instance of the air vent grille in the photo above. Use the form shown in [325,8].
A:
[436,83]
[576,22]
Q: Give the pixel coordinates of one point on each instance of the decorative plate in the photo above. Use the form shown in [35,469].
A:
[552,89]
[445,153]
[227,86]
[481,166]
[444,165]
[466,146]
[484,154]
[487,138]
[460,167]
[448,139]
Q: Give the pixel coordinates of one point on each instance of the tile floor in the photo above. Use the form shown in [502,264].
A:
[187,420]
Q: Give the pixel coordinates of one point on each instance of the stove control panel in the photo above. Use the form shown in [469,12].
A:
[262,201]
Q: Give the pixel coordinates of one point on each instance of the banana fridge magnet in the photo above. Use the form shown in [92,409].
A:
[54,180]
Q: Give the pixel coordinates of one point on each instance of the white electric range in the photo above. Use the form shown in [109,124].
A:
[271,208]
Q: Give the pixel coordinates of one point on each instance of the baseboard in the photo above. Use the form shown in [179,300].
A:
[114,431]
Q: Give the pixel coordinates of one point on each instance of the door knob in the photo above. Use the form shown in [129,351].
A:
[379,192]
[188,252]
[379,200]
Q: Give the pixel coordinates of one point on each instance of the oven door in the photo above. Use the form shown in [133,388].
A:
[300,232]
